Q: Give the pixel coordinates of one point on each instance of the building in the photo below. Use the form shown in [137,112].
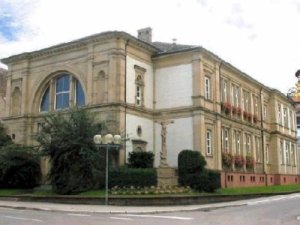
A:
[131,83]
[2,92]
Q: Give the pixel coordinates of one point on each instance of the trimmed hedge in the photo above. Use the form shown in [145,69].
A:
[207,181]
[189,162]
[192,172]
[140,159]
[126,177]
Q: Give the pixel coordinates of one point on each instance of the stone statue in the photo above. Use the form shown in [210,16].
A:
[163,152]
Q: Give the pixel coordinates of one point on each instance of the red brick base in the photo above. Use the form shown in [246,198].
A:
[234,179]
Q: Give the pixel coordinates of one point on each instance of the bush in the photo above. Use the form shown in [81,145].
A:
[207,181]
[227,160]
[140,159]
[126,177]
[19,167]
[4,137]
[189,162]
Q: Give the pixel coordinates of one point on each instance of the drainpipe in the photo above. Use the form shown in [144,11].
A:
[125,100]
[262,137]
[220,88]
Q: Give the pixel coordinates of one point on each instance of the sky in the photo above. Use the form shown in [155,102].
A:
[259,37]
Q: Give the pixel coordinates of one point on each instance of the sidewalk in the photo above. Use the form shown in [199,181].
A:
[79,208]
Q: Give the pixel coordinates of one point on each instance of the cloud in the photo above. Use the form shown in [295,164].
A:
[260,38]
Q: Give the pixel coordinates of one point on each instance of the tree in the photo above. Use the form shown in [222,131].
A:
[67,139]
[4,137]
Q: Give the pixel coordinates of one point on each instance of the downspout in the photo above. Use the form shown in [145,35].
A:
[262,137]
[220,86]
[125,100]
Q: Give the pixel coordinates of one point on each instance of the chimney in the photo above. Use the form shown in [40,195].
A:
[145,34]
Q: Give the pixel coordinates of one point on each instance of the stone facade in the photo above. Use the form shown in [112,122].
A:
[131,83]
[2,92]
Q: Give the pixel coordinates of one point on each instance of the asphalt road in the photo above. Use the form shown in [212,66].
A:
[274,210]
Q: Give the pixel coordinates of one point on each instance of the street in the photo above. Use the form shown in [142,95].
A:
[283,209]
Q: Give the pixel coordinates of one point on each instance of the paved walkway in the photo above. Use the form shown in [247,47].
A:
[110,209]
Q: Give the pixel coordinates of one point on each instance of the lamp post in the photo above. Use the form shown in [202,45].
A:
[107,141]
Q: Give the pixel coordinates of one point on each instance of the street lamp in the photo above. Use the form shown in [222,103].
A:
[107,141]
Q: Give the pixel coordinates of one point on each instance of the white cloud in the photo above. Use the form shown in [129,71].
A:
[261,38]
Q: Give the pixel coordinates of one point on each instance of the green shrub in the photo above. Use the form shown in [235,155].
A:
[189,162]
[4,137]
[207,181]
[19,167]
[126,177]
[140,159]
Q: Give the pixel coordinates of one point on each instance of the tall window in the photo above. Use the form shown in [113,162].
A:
[139,85]
[256,105]
[45,104]
[246,101]
[258,150]
[138,91]
[293,154]
[285,117]
[265,112]
[236,95]
[208,142]
[224,90]
[248,144]
[287,153]
[279,114]
[225,141]
[207,88]
[267,154]
[80,100]
[65,90]
[237,142]
[281,152]
[291,122]
[62,92]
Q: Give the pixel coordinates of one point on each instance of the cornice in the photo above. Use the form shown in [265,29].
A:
[79,43]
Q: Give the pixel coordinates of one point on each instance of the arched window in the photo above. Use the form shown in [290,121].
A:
[65,91]
[45,103]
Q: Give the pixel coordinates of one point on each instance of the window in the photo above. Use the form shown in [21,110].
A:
[66,91]
[287,153]
[265,112]
[207,88]
[246,101]
[267,154]
[139,85]
[291,122]
[45,104]
[279,114]
[281,153]
[258,150]
[238,142]
[248,144]
[80,100]
[236,95]
[62,92]
[293,161]
[224,90]
[208,142]
[285,117]
[255,104]
[225,141]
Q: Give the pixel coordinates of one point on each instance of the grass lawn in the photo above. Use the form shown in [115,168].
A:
[258,190]
[222,191]
[8,192]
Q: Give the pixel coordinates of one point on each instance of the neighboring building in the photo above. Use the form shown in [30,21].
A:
[130,83]
[2,92]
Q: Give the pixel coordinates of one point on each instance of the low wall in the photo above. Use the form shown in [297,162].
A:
[236,179]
